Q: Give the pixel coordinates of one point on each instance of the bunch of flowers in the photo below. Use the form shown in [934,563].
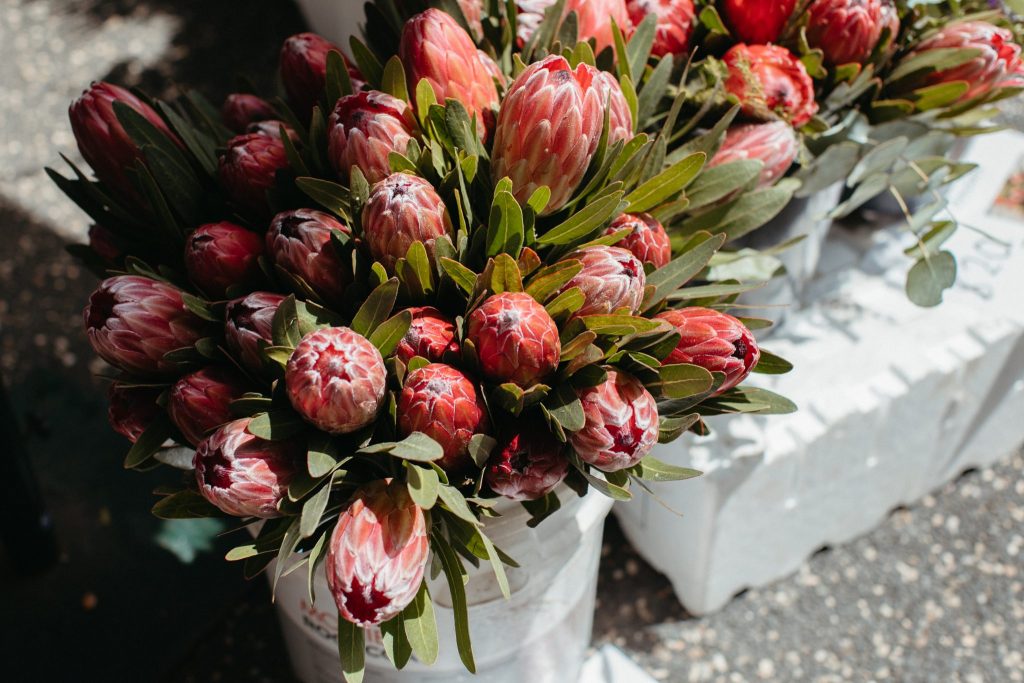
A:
[416,288]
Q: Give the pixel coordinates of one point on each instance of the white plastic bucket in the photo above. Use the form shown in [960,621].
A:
[540,635]
[335,20]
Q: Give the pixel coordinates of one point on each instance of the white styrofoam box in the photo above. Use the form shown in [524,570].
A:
[894,401]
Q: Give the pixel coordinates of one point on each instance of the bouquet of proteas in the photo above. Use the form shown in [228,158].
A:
[417,288]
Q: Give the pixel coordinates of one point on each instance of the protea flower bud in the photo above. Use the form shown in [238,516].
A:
[272,127]
[612,278]
[105,244]
[434,47]
[845,30]
[530,464]
[132,322]
[648,242]
[363,129]
[773,143]
[529,15]
[594,20]
[244,475]
[620,118]
[241,109]
[377,554]
[548,129]
[132,409]
[675,22]
[249,327]
[441,402]
[473,11]
[403,209]
[222,255]
[621,423]
[336,380]
[249,169]
[715,341]
[769,82]
[201,401]
[515,339]
[430,335]
[495,73]
[303,64]
[756,21]
[299,243]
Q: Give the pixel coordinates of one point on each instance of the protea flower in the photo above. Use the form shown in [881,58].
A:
[242,109]
[222,255]
[529,15]
[303,64]
[249,169]
[336,380]
[515,339]
[249,327]
[715,341]
[495,73]
[434,47]
[201,401]
[529,465]
[621,423]
[299,243]
[363,129]
[443,403]
[846,30]
[620,118]
[473,11]
[773,143]
[548,129]
[244,475]
[648,242]
[430,336]
[612,279]
[272,127]
[594,20]
[756,21]
[403,209]
[132,409]
[377,554]
[132,322]
[769,82]
[675,22]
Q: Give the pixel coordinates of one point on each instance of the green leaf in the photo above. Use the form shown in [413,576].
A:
[878,160]
[313,511]
[480,448]
[423,485]
[748,400]
[584,222]
[389,333]
[505,232]
[505,277]
[149,442]
[276,425]
[316,556]
[747,213]
[721,181]
[605,487]
[565,407]
[376,308]
[542,508]
[393,79]
[395,641]
[456,504]
[331,196]
[417,447]
[351,650]
[496,564]
[681,270]
[930,277]
[620,325]
[187,504]
[684,380]
[770,364]
[666,184]
[566,303]
[550,279]
[421,626]
[321,456]
[652,469]
[452,567]
[460,274]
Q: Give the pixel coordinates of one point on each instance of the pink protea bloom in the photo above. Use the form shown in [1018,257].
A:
[473,11]
[648,242]
[248,328]
[363,129]
[377,554]
[132,409]
[336,379]
[241,109]
[997,64]
[612,279]
[299,243]
[548,129]
[248,169]
[594,20]
[303,65]
[620,118]
[222,255]
[529,15]
[132,322]
[201,401]
[403,209]
[773,143]
[528,466]
[495,72]
[675,23]
[715,341]
[769,81]
[244,475]
[515,338]
[846,30]
[756,21]
[621,423]
[430,336]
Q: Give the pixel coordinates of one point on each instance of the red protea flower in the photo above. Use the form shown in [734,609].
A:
[756,21]
[132,409]
[434,47]
[529,15]
[201,401]
[473,11]
[515,339]
[299,243]
[303,64]
[621,423]
[612,278]
[494,71]
[529,465]
[249,327]
[363,129]
[336,379]
[648,242]
[845,30]
[675,22]
[430,335]
[620,118]
[222,255]
[594,20]
[548,129]
[715,341]
[773,143]
[249,169]
[241,109]
[443,403]
[377,554]
[244,475]
[770,81]
[132,322]
[105,244]
[403,209]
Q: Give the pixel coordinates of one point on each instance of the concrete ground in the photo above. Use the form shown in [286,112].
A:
[934,594]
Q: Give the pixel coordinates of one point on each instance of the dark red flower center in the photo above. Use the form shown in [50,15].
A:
[243,315]
[740,350]
[218,470]
[364,604]
[290,225]
[101,308]
[627,437]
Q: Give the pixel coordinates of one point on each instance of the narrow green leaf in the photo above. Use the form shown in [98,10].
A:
[376,308]
[452,567]
[148,443]
[390,333]
[421,626]
[666,184]
[770,364]
[351,650]
[652,469]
